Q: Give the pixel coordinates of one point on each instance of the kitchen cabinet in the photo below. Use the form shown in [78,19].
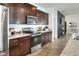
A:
[30,10]
[12,13]
[16,13]
[46,37]
[25,45]
[19,46]
[39,17]
[20,14]
[42,18]
[14,47]
[46,18]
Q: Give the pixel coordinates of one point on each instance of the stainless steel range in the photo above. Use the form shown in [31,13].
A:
[35,39]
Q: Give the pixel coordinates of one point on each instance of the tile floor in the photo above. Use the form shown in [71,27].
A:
[4,53]
[53,48]
[71,49]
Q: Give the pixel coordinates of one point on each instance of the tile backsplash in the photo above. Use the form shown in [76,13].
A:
[18,27]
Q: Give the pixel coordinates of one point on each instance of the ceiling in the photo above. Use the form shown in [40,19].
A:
[65,8]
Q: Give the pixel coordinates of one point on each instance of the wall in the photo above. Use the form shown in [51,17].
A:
[53,22]
[19,27]
[72,18]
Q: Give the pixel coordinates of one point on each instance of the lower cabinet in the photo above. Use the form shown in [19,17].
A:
[46,37]
[19,46]
[24,46]
[14,47]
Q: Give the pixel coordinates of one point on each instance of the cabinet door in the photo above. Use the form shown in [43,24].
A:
[42,18]
[12,13]
[16,13]
[20,12]
[46,37]
[50,36]
[45,18]
[30,10]
[43,39]
[14,47]
[14,51]
[38,17]
[34,11]
[24,46]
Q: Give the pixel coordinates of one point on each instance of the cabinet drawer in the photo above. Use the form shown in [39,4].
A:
[24,38]
[13,42]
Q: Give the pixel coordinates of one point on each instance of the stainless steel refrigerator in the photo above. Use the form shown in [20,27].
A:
[3,28]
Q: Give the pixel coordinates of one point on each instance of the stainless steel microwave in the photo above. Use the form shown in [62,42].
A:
[31,20]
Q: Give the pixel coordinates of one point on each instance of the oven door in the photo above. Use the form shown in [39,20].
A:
[35,40]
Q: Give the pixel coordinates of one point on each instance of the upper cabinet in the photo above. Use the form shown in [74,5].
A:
[12,13]
[18,14]
[42,18]
[30,10]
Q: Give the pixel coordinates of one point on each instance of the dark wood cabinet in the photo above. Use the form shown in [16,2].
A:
[19,46]
[25,45]
[18,14]
[14,47]
[46,37]
[12,13]
[30,9]
[42,18]
[46,19]
[39,17]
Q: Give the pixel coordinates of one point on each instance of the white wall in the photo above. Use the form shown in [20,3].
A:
[19,27]
[53,22]
[72,18]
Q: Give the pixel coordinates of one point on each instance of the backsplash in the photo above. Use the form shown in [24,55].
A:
[20,26]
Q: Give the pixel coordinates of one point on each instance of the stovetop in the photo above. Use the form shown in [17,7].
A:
[30,31]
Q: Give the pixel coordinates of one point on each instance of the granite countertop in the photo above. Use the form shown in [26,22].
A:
[71,49]
[19,35]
